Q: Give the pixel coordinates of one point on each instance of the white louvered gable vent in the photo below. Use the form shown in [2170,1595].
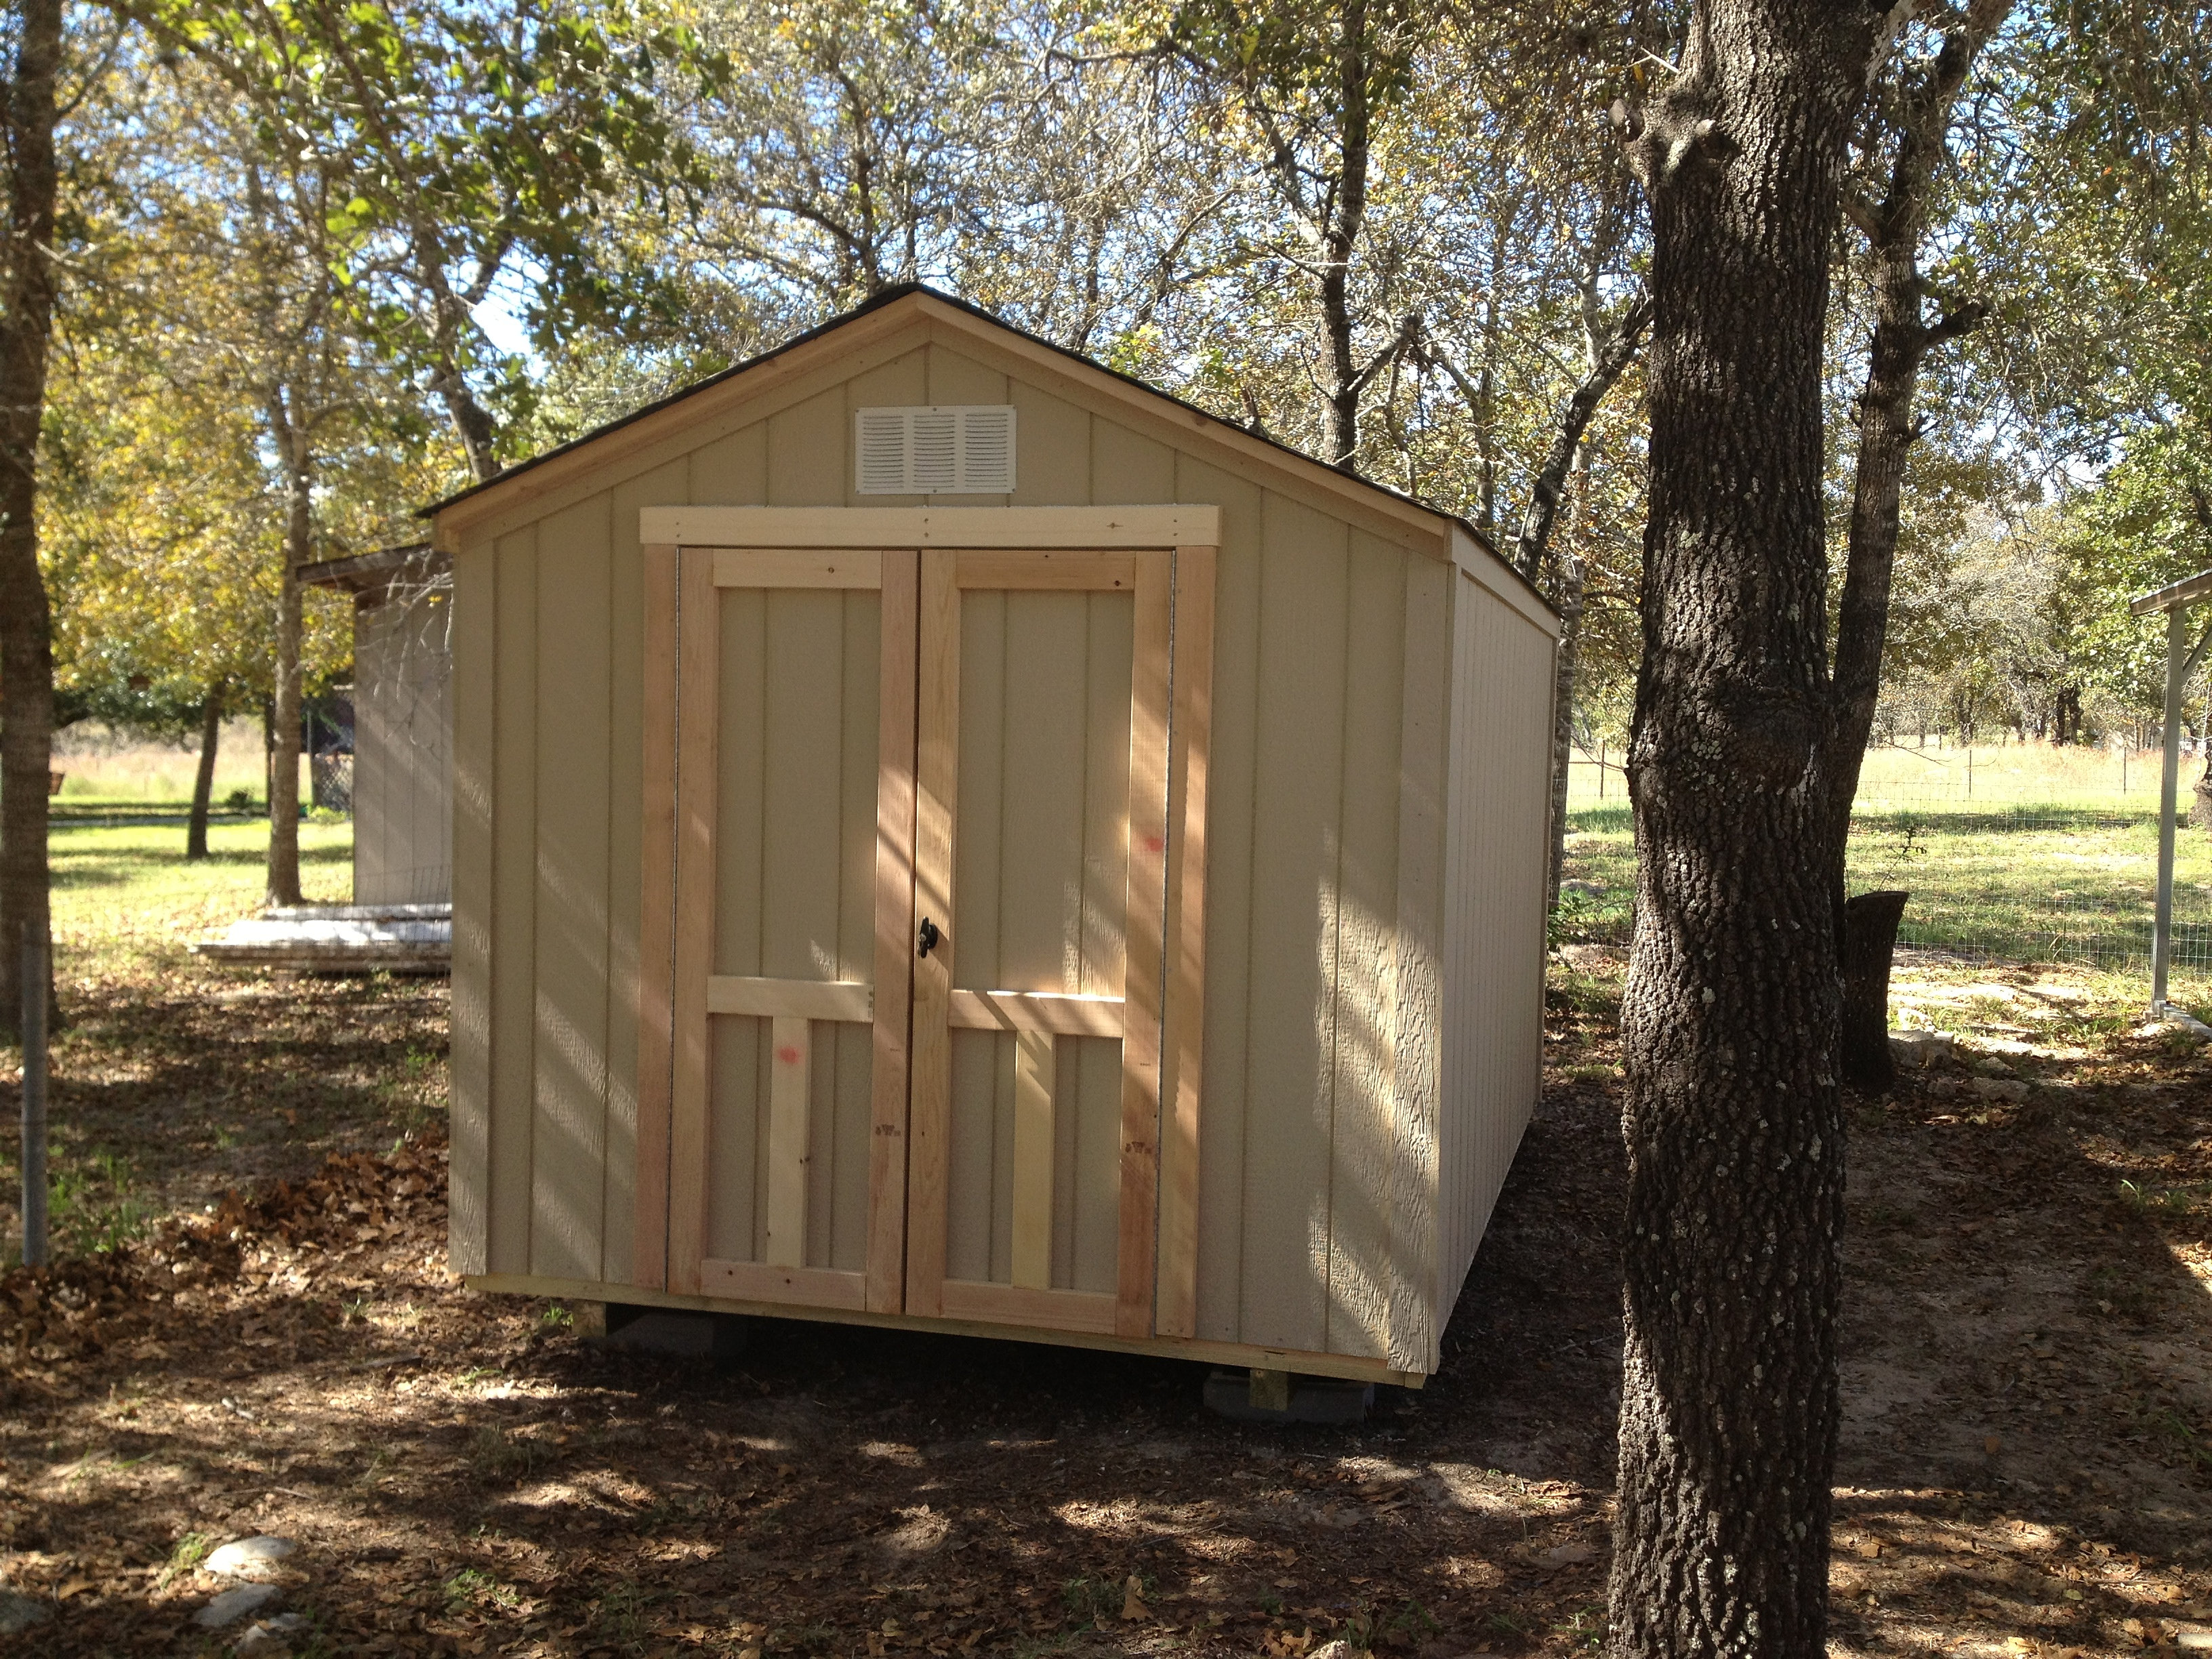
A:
[944,450]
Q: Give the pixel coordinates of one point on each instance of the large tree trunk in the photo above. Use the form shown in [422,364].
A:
[26,664]
[1733,1120]
[284,717]
[196,828]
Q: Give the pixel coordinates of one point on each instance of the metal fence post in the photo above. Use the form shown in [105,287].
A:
[2161,937]
[34,1098]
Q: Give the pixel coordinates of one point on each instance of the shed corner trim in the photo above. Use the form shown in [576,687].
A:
[1168,526]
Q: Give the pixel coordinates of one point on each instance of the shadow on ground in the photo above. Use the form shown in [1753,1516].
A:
[2022,1466]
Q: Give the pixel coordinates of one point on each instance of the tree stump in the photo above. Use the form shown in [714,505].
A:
[1869,939]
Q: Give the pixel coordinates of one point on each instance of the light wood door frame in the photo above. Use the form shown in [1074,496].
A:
[1030,1299]
[1165,555]
[679,991]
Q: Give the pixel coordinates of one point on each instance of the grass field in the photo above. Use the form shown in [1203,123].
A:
[126,901]
[1977,778]
[98,765]
[2049,861]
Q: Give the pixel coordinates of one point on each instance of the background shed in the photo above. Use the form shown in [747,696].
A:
[402,722]
[1221,774]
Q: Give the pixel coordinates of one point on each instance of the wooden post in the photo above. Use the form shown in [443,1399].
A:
[2161,942]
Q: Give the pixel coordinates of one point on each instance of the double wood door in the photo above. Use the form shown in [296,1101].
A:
[916,914]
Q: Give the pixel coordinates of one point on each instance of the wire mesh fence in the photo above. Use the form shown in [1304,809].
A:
[2024,854]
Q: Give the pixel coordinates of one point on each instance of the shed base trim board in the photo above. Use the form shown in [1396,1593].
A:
[1349,1366]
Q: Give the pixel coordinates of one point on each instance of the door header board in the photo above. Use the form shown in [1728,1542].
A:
[931,526]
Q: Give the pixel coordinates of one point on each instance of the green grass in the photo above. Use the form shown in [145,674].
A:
[2029,881]
[125,895]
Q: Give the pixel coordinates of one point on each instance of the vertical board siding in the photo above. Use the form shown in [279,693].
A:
[625,634]
[373,616]
[808,452]
[1366,1117]
[403,724]
[1041,855]
[1373,930]
[1500,743]
[1417,991]
[901,382]
[515,893]
[569,1064]
[1052,449]
[1223,1113]
[475,798]
[1298,811]
[794,898]
[732,471]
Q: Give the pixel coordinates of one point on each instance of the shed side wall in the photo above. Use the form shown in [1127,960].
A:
[1318,1210]
[1494,912]
[403,766]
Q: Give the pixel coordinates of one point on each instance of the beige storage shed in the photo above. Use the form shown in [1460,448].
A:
[947,836]
[403,722]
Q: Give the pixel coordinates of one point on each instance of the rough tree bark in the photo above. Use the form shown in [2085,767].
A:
[196,826]
[26,664]
[1733,1121]
[295,447]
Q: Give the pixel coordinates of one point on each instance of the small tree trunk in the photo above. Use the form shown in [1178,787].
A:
[1563,721]
[284,748]
[1870,922]
[1340,237]
[27,663]
[196,828]
[284,714]
[473,422]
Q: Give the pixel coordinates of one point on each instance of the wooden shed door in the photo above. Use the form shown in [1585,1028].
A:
[792,925]
[1039,878]
[915,937]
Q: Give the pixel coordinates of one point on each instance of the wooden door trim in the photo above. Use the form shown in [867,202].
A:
[844,1000]
[759,1281]
[1189,738]
[1017,1305]
[1041,569]
[1143,925]
[937,778]
[1173,525]
[787,567]
[698,700]
[656,927]
[1058,1014]
[884,1287]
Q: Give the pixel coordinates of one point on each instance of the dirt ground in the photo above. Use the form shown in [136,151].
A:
[2024,1471]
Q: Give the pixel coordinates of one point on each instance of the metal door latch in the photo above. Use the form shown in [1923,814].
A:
[928,936]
